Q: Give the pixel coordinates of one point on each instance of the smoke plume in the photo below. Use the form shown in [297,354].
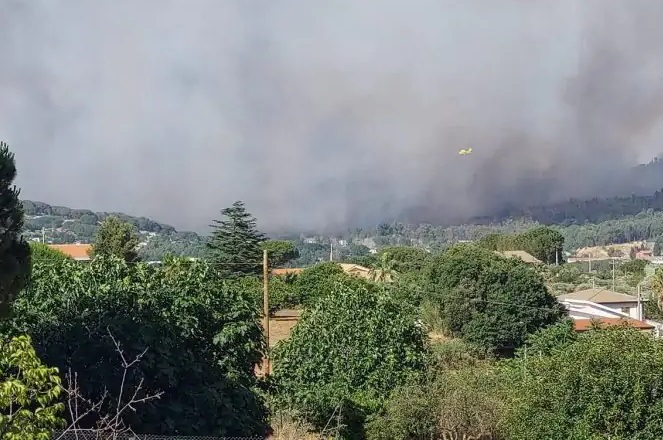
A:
[327,115]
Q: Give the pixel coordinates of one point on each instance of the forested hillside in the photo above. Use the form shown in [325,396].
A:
[59,224]
[594,222]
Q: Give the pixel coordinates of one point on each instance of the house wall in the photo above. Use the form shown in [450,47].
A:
[588,310]
[632,306]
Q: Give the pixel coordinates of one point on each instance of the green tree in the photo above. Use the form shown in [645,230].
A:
[235,246]
[345,356]
[657,247]
[406,258]
[604,385]
[29,393]
[44,254]
[491,301]
[544,243]
[14,251]
[280,252]
[115,238]
[203,339]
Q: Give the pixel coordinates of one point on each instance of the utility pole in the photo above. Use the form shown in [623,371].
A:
[613,274]
[43,235]
[265,305]
[331,250]
[639,303]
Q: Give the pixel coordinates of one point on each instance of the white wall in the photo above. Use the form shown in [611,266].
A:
[580,309]
[632,306]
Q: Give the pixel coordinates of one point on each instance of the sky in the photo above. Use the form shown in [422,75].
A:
[327,115]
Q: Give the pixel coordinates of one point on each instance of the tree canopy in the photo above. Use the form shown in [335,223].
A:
[203,340]
[280,252]
[235,245]
[14,251]
[115,238]
[490,301]
[347,353]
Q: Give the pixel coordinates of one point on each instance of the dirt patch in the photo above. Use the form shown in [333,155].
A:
[280,328]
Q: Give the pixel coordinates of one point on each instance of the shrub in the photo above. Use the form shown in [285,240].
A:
[321,280]
[606,384]
[461,404]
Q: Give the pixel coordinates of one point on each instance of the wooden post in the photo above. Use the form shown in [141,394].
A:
[265,305]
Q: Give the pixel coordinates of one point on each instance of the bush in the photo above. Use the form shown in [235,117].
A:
[44,254]
[607,384]
[320,280]
[203,340]
[345,356]
[467,403]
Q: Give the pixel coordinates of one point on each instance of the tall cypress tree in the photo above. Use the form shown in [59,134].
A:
[14,251]
[235,243]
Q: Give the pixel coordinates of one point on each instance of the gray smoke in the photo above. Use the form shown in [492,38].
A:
[324,115]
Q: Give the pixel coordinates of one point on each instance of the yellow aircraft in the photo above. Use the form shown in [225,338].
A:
[465,152]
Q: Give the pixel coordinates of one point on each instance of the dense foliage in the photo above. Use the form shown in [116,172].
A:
[543,243]
[490,301]
[44,254]
[280,252]
[321,280]
[29,396]
[14,251]
[235,244]
[345,356]
[606,384]
[202,336]
[406,258]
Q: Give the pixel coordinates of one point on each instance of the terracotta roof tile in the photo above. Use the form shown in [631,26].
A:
[75,251]
[582,325]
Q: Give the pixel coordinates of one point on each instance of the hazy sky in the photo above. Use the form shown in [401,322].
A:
[327,114]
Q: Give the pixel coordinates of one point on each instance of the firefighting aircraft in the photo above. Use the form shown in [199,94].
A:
[465,152]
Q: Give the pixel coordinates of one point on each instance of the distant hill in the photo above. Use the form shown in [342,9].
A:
[60,224]
[594,222]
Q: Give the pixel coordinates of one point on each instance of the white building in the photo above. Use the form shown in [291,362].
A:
[628,305]
[609,308]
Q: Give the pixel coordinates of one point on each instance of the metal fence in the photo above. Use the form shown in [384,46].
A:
[93,435]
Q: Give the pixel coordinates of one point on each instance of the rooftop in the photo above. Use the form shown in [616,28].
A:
[525,256]
[75,251]
[582,325]
[600,296]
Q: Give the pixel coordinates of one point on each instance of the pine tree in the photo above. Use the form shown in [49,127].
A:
[14,251]
[235,247]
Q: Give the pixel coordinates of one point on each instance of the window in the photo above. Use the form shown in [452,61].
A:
[626,310]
